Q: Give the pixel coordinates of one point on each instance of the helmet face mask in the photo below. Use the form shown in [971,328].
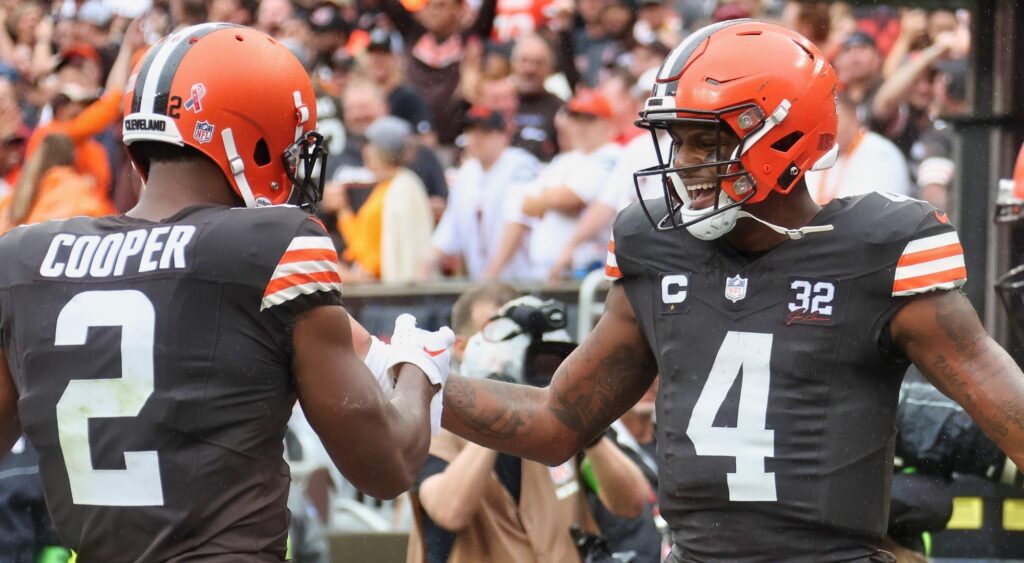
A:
[707,222]
[779,100]
[304,163]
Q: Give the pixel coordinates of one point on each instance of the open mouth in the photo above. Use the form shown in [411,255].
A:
[702,194]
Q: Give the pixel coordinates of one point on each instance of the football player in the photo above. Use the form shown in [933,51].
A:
[153,358]
[781,329]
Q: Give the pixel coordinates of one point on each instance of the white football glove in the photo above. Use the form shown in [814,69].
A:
[429,351]
[377,360]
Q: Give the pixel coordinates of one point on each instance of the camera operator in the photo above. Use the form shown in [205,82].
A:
[633,433]
[474,504]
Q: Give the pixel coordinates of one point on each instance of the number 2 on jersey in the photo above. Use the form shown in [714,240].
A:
[139,483]
[750,442]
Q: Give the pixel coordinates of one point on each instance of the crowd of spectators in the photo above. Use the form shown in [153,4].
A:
[487,139]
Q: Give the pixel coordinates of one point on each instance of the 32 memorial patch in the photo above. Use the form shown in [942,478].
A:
[812,301]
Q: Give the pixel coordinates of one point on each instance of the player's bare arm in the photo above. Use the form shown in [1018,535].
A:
[942,335]
[377,444]
[360,337]
[10,427]
[599,381]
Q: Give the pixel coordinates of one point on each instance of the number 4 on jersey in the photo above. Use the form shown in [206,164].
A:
[749,441]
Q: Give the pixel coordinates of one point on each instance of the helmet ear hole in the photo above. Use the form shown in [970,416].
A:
[261,154]
[787,142]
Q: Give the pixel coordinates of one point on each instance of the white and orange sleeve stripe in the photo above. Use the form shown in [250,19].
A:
[611,264]
[930,263]
[309,265]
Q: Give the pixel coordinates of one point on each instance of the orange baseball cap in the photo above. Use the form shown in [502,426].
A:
[590,102]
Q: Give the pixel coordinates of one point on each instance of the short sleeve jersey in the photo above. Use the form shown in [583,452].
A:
[777,400]
[153,367]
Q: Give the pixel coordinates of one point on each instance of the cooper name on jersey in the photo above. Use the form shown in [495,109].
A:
[117,254]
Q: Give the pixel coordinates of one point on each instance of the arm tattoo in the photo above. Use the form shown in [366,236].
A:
[959,325]
[959,384]
[588,405]
[979,365]
[511,406]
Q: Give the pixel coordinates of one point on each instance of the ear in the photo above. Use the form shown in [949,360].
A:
[459,347]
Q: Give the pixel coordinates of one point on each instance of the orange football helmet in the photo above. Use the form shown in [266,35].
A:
[239,97]
[767,84]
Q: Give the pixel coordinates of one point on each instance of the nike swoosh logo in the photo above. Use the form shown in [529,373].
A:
[942,217]
[434,353]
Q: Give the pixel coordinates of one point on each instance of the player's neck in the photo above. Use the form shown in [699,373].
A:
[791,211]
[173,186]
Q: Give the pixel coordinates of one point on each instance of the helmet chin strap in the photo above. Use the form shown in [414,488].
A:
[793,234]
[716,225]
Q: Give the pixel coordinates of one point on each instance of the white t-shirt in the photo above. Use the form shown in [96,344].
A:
[474,219]
[875,165]
[619,191]
[585,175]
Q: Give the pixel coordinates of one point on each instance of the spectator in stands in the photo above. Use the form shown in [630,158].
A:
[475,504]
[330,75]
[50,188]
[617,88]
[858,67]
[532,63]
[499,93]
[932,154]
[589,39]
[389,236]
[27,52]
[919,29]
[551,206]
[363,102]
[618,19]
[272,15]
[383,67]
[79,115]
[13,135]
[867,162]
[92,22]
[514,19]
[186,13]
[233,11]
[619,190]
[646,56]
[435,41]
[913,36]
[329,30]
[483,189]
[657,21]
[902,109]
[810,19]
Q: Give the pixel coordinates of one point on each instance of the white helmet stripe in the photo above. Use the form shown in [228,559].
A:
[151,81]
[156,69]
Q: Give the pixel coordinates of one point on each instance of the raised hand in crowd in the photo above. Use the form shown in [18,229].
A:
[913,36]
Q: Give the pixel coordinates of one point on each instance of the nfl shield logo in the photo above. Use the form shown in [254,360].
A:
[203,132]
[735,288]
